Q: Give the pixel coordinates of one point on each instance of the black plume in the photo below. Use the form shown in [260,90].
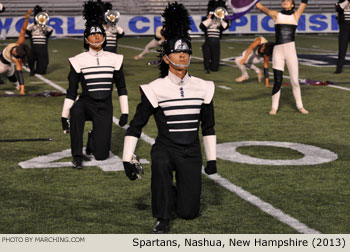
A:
[211,6]
[93,12]
[107,6]
[176,21]
[37,9]
[221,3]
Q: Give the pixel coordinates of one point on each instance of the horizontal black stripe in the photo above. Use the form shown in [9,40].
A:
[183,125]
[99,86]
[182,117]
[184,99]
[99,80]
[97,67]
[100,72]
[182,107]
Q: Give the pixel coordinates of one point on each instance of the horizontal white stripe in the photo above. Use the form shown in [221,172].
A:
[181,112]
[98,76]
[99,89]
[180,103]
[38,36]
[179,122]
[182,130]
[98,83]
[39,43]
[96,70]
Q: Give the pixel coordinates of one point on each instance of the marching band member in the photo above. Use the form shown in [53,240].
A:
[179,102]
[343,12]
[96,70]
[14,55]
[284,51]
[213,28]
[113,31]
[39,33]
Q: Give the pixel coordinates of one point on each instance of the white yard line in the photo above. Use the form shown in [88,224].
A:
[52,84]
[224,87]
[9,92]
[245,195]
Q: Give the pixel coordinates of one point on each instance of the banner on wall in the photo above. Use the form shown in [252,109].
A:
[147,24]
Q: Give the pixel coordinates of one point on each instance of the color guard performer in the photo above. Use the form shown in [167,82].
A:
[259,51]
[14,55]
[284,51]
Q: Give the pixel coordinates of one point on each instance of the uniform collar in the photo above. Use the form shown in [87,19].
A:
[94,53]
[178,81]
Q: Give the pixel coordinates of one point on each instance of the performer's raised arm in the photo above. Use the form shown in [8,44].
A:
[22,33]
[300,9]
[267,11]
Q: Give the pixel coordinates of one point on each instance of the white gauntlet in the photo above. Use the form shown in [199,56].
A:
[130,143]
[210,147]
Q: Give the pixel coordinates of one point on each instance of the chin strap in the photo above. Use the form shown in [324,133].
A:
[95,44]
[179,65]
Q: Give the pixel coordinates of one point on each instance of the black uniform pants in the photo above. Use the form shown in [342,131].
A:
[211,54]
[38,59]
[184,198]
[343,42]
[101,114]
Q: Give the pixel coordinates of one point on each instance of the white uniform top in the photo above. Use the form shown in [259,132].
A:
[286,19]
[178,103]
[97,69]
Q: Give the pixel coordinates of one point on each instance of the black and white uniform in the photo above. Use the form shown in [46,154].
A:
[178,106]
[284,52]
[213,29]
[7,65]
[96,71]
[113,33]
[38,59]
[255,57]
[343,9]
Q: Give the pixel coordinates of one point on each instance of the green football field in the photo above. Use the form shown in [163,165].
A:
[288,173]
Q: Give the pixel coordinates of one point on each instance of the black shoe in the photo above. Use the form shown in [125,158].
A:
[31,74]
[2,82]
[162,226]
[207,71]
[88,150]
[77,163]
[338,71]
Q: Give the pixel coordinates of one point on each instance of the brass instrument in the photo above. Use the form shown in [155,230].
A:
[220,13]
[42,18]
[112,17]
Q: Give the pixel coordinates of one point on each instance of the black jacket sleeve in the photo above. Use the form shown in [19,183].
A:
[119,79]
[207,119]
[73,79]
[144,110]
